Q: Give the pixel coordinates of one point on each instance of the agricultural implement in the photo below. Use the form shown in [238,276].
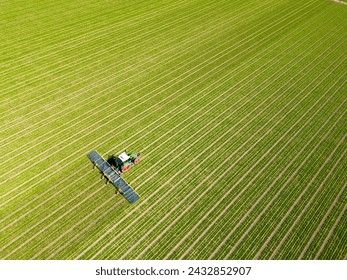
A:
[112,169]
[124,161]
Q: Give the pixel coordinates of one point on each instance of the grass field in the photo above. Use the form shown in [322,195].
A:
[237,107]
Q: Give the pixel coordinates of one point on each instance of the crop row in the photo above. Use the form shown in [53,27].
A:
[237,125]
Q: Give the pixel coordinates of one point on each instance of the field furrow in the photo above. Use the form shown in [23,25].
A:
[238,109]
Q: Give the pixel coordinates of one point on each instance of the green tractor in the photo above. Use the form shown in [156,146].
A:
[124,161]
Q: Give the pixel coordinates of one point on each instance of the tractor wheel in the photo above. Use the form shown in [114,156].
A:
[136,160]
[126,168]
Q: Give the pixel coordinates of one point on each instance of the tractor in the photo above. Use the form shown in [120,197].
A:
[124,161]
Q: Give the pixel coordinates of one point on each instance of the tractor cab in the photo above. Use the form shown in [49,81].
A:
[124,161]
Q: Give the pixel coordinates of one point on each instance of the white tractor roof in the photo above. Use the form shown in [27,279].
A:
[124,157]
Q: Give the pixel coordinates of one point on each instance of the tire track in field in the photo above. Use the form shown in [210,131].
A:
[88,114]
[85,115]
[180,171]
[220,101]
[256,164]
[194,114]
[192,204]
[248,230]
[90,75]
[78,223]
[331,232]
[93,222]
[148,178]
[216,82]
[96,32]
[339,2]
[32,237]
[102,53]
[205,106]
[106,71]
[72,95]
[44,16]
[80,40]
[211,224]
[50,214]
[254,222]
[32,209]
[244,176]
[268,240]
[299,217]
[277,194]
[50,224]
[240,82]
[315,209]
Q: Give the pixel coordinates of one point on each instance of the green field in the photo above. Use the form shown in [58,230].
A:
[237,107]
